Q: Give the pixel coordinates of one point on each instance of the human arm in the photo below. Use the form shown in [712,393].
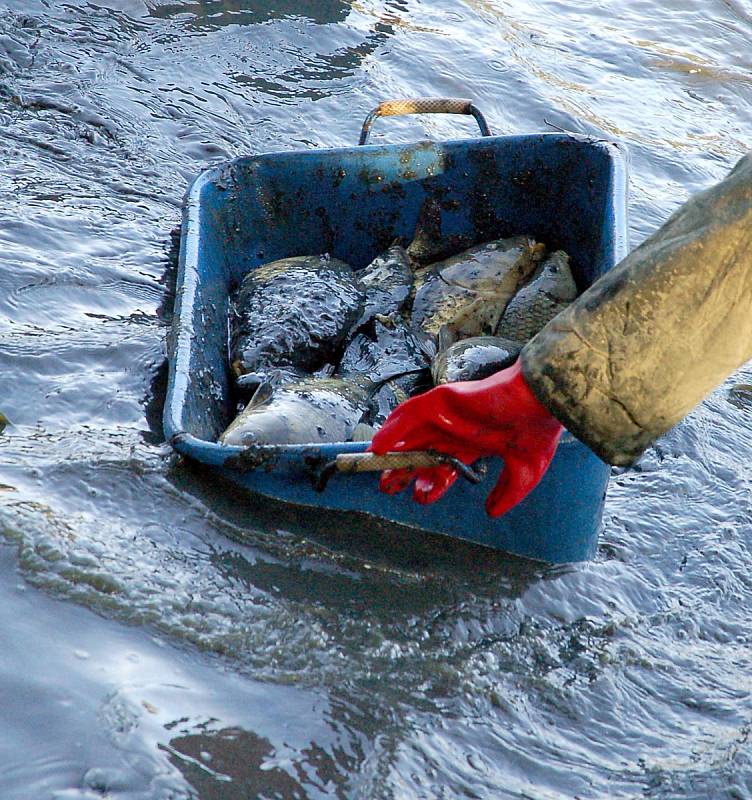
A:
[620,366]
[650,339]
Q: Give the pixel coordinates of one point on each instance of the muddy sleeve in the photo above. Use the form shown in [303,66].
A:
[647,341]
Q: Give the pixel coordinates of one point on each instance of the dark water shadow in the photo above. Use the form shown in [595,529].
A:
[236,764]
[210,15]
[420,566]
[230,763]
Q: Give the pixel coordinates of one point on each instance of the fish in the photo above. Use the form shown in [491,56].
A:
[388,285]
[469,291]
[295,314]
[473,358]
[550,290]
[246,385]
[311,410]
[396,391]
[386,346]
[329,408]
[395,356]
[363,432]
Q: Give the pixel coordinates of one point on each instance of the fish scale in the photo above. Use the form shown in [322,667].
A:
[274,324]
[395,356]
[388,283]
[473,358]
[551,290]
[306,411]
[469,291]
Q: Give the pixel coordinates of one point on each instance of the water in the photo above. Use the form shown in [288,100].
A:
[166,638]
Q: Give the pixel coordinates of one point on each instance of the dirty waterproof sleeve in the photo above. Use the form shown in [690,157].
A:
[647,341]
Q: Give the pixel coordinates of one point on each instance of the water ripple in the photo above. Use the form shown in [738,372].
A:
[397,666]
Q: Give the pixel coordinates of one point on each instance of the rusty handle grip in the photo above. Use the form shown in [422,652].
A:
[424,105]
[349,463]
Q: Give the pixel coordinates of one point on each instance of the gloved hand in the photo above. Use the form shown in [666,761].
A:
[496,416]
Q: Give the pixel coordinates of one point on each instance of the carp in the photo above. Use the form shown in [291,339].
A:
[395,356]
[386,346]
[469,291]
[307,411]
[550,290]
[294,314]
[330,409]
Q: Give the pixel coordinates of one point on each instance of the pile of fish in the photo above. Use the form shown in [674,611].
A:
[322,353]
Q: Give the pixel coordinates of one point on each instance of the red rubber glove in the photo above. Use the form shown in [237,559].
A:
[496,416]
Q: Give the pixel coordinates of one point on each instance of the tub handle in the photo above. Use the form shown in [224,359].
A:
[424,105]
[349,463]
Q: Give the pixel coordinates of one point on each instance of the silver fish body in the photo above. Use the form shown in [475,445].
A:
[550,290]
[474,358]
[309,411]
[313,410]
[293,313]
[469,291]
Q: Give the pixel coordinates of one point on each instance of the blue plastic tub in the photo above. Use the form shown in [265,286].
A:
[566,191]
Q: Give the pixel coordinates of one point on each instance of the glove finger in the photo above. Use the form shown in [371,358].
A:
[518,478]
[432,483]
[421,435]
[416,435]
[393,481]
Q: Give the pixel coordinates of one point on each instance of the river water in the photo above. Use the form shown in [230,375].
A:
[163,637]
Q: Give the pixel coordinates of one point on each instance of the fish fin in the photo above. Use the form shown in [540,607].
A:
[379,380]
[362,432]
[326,371]
[262,395]
[537,250]
[249,381]
[446,337]
[387,320]
[428,347]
